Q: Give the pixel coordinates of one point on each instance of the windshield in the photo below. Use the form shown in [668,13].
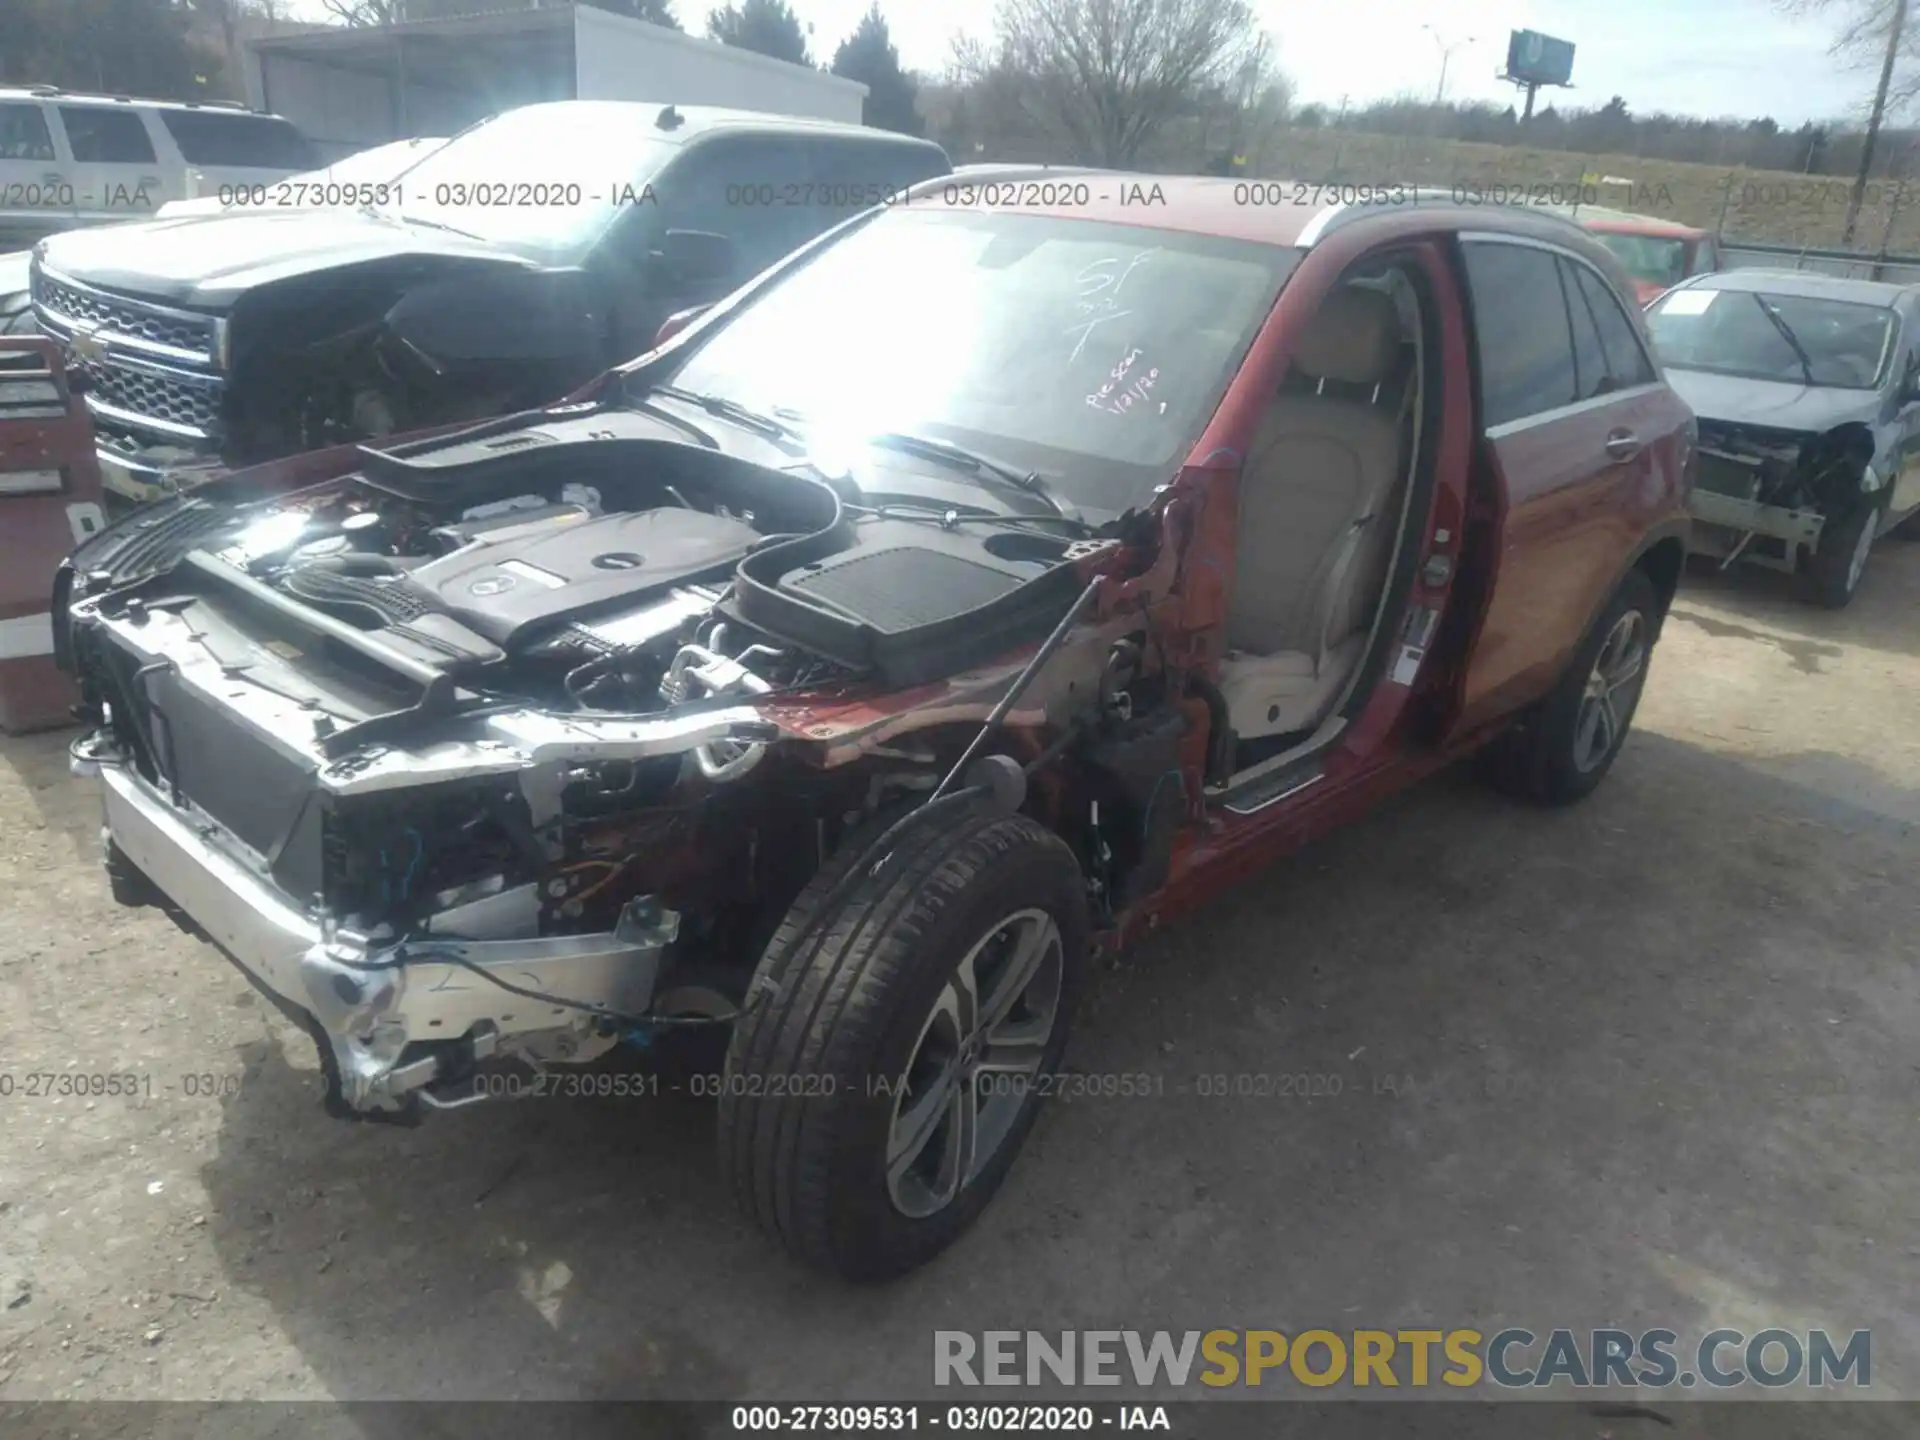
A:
[1092,353]
[1648,258]
[544,180]
[1841,344]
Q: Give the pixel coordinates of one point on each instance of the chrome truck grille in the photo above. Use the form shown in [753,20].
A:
[152,372]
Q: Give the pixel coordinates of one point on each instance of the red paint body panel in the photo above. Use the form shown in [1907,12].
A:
[37,529]
[1572,519]
[1197,204]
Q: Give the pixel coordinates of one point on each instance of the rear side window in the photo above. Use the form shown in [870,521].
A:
[106,136]
[259,142]
[24,134]
[1521,331]
[1627,362]
[1590,368]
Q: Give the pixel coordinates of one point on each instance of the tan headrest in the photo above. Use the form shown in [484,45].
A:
[1354,337]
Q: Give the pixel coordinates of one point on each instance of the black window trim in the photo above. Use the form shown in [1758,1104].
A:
[1640,348]
[60,109]
[1574,407]
[1569,280]
[233,119]
[54,139]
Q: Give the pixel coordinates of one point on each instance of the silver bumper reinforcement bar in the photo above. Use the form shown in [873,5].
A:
[380,1005]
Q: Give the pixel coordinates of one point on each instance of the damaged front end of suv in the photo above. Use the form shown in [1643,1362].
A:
[509,749]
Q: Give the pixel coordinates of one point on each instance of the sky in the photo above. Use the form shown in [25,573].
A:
[1706,58]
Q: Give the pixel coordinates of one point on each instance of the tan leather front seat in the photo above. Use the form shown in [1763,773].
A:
[1314,518]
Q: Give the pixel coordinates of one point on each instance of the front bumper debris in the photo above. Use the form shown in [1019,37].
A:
[395,1019]
[1798,527]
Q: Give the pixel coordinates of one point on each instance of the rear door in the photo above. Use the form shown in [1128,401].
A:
[1579,443]
[116,171]
[36,180]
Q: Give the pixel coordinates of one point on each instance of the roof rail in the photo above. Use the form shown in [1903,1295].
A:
[44,90]
[1388,196]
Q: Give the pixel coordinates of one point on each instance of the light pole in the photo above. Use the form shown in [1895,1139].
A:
[1446,54]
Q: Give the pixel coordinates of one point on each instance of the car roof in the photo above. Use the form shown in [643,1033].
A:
[679,124]
[55,93]
[1811,284]
[1285,213]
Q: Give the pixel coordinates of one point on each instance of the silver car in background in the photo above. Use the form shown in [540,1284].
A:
[1807,391]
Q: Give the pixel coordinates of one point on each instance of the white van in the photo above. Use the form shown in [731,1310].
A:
[69,159]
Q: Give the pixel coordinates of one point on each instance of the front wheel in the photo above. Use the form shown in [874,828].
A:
[1839,562]
[1563,751]
[902,1031]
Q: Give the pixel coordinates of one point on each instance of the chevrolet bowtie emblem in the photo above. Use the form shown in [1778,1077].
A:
[85,342]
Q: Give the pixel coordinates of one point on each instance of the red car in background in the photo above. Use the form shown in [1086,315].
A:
[1656,254]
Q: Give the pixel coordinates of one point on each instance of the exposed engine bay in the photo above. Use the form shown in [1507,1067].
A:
[445,750]
[1769,492]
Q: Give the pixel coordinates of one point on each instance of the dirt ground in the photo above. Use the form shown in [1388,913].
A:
[1651,1061]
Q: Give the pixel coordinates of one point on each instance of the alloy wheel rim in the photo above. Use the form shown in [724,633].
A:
[1613,686]
[974,1064]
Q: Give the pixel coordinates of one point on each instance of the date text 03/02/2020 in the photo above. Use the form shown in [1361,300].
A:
[958,1419]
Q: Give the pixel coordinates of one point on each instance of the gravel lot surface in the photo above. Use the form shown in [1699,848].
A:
[1651,1061]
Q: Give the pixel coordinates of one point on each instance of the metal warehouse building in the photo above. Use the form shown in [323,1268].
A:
[355,87]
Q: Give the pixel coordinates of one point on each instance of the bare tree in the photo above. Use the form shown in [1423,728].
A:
[1258,98]
[1871,32]
[1109,74]
[367,12]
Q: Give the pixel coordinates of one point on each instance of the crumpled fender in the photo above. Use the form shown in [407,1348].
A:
[514,315]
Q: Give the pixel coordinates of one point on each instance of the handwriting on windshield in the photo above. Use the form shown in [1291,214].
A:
[1128,384]
[1098,301]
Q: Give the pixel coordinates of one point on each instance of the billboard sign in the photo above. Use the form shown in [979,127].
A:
[1536,59]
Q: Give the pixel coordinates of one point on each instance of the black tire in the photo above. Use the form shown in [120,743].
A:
[840,1004]
[1543,758]
[1831,578]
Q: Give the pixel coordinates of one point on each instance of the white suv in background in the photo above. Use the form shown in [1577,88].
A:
[69,159]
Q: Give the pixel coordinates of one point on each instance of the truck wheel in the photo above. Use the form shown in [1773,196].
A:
[1562,751]
[890,1063]
[1833,575]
